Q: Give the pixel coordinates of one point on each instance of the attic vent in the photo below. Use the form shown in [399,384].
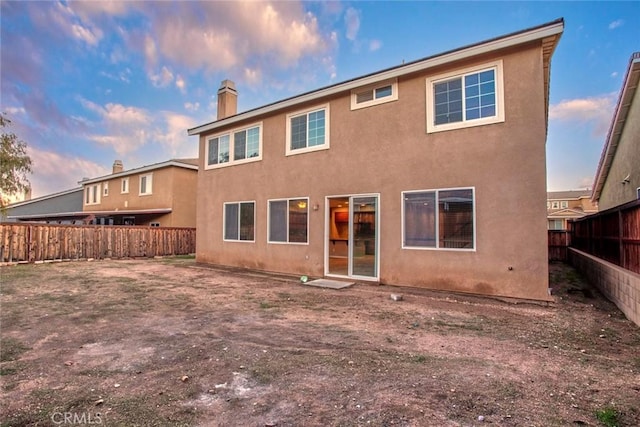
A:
[374,94]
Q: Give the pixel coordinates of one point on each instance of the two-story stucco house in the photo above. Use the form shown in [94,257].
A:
[160,195]
[565,206]
[429,174]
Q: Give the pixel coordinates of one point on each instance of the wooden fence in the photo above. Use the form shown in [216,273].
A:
[612,235]
[559,242]
[22,242]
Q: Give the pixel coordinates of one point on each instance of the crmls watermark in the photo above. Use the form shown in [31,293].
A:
[65,418]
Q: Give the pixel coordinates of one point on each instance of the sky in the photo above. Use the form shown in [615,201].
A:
[85,83]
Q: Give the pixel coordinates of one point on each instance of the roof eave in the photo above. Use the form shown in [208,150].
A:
[550,32]
[140,170]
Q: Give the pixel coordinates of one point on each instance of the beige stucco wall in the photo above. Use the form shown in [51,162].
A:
[172,187]
[626,162]
[385,150]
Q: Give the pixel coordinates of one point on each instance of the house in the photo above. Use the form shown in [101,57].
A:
[564,206]
[159,195]
[429,174]
[618,175]
[64,207]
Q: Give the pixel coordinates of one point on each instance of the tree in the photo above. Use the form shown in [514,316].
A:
[15,164]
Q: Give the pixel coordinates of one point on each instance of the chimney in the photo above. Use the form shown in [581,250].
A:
[227,99]
[117,166]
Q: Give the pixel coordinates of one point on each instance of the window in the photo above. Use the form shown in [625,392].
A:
[239,220]
[308,131]
[238,146]
[564,204]
[638,193]
[92,194]
[555,205]
[439,219]
[105,189]
[470,97]
[154,224]
[374,94]
[124,187]
[289,221]
[146,184]
[556,224]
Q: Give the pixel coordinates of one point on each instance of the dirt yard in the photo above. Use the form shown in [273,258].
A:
[166,342]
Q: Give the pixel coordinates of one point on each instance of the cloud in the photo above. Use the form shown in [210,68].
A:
[181,84]
[161,79]
[54,172]
[374,45]
[352,22]
[192,106]
[594,110]
[615,24]
[614,74]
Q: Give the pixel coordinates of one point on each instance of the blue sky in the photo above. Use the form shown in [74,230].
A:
[86,83]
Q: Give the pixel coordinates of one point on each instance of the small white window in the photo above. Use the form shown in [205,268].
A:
[465,98]
[105,189]
[155,224]
[308,130]
[124,187]
[374,94]
[146,184]
[564,204]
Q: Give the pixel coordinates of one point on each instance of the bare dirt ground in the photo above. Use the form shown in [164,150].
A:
[166,342]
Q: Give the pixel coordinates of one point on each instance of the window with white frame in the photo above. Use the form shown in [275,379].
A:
[92,194]
[439,219]
[465,98]
[105,189]
[289,221]
[374,94]
[564,204]
[555,205]
[124,185]
[308,130]
[556,224]
[237,146]
[146,184]
[239,221]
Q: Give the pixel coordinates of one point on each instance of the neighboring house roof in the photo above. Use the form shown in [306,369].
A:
[84,214]
[567,213]
[43,198]
[568,195]
[627,94]
[181,163]
[549,33]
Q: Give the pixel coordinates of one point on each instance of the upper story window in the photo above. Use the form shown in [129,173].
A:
[308,130]
[124,185]
[105,189]
[146,184]
[555,205]
[92,194]
[374,94]
[564,204]
[465,98]
[237,146]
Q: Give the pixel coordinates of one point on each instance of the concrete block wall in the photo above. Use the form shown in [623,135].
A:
[620,286]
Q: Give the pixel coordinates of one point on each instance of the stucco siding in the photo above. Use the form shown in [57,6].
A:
[385,150]
[625,162]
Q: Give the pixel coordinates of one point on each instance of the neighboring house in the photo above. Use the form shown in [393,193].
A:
[160,195]
[618,176]
[64,207]
[429,174]
[564,206]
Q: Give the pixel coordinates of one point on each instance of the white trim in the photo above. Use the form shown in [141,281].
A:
[224,221]
[269,221]
[437,225]
[231,133]
[355,105]
[148,184]
[92,194]
[105,189]
[497,66]
[307,149]
[176,163]
[551,29]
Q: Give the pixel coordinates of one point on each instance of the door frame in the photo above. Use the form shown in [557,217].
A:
[327,231]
